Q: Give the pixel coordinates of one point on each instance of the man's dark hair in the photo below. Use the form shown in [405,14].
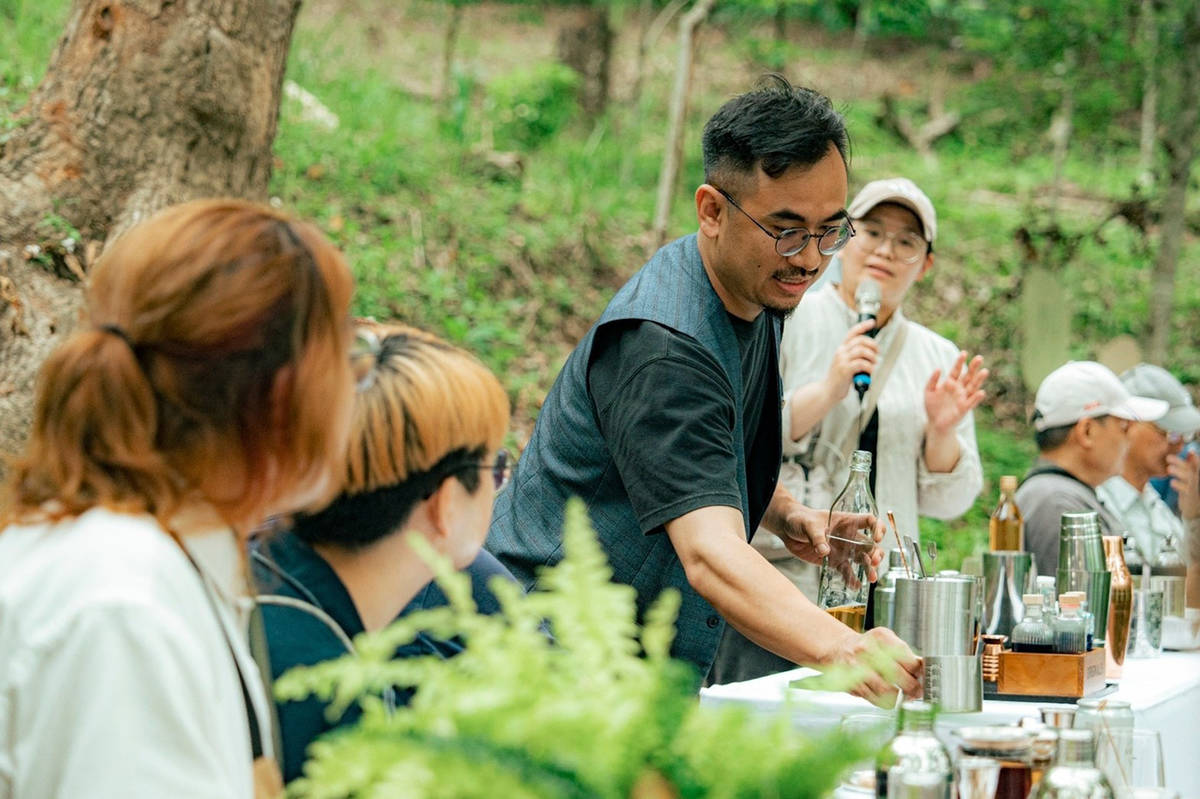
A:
[1052,437]
[776,126]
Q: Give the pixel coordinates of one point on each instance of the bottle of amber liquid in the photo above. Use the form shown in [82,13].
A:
[1006,529]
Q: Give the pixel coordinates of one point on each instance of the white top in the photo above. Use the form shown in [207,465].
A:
[115,677]
[1147,518]
[904,483]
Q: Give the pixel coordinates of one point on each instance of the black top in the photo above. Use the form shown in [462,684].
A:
[286,566]
[666,410]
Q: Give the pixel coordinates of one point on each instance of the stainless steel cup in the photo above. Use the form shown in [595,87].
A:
[885,606]
[1173,594]
[1080,547]
[953,683]
[935,615]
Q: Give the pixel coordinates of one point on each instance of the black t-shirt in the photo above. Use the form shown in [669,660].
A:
[666,410]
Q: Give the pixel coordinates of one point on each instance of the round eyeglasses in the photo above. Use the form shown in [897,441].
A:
[906,246]
[793,240]
[500,468]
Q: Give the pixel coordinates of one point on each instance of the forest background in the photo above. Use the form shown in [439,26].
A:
[487,191]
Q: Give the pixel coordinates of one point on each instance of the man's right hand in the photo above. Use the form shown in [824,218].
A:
[857,353]
[888,663]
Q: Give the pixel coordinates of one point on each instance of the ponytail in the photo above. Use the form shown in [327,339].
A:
[94,434]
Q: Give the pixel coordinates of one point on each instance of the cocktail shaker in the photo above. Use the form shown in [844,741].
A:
[1082,565]
[936,615]
[1006,576]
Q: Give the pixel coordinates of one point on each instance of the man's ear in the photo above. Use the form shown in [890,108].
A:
[710,207]
[1084,431]
[439,509]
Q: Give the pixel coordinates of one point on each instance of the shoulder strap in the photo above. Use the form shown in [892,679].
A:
[1052,469]
[256,741]
[871,398]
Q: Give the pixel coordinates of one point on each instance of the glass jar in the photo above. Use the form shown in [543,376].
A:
[1074,774]
[1032,633]
[1012,748]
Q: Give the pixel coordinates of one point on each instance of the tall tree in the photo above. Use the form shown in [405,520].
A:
[145,103]
[1180,143]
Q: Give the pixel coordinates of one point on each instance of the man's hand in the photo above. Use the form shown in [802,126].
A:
[1185,479]
[948,401]
[857,353]
[883,664]
[805,532]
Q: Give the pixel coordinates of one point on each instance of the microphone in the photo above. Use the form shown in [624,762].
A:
[867,298]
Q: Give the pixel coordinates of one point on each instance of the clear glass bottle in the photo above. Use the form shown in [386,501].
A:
[1032,633]
[1047,587]
[1070,630]
[1006,527]
[1089,619]
[1074,774]
[843,585]
[915,752]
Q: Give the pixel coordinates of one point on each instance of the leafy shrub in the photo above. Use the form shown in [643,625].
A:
[530,105]
[602,711]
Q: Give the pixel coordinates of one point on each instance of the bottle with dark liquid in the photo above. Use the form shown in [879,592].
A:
[1006,528]
[1032,633]
[843,586]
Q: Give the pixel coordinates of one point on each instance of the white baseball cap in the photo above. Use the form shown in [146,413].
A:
[901,191]
[1148,380]
[1086,389]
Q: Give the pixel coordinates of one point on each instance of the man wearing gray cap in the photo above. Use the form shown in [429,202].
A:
[1081,420]
[1154,449]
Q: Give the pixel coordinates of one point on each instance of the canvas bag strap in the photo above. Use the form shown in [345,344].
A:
[871,398]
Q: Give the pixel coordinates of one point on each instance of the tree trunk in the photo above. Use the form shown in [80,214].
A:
[1149,126]
[449,44]
[1061,130]
[673,151]
[587,49]
[1180,144]
[145,103]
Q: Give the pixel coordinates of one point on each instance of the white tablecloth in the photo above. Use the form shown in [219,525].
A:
[1164,693]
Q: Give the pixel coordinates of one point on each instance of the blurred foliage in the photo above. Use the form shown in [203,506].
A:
[515,257]
[599,712]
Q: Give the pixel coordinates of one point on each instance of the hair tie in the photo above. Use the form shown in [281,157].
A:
[119,333]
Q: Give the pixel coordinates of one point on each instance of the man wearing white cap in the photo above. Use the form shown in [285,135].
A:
[915,414]
[1154,449]
[1081,420]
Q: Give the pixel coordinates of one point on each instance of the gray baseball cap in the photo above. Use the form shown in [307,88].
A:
[1148,380]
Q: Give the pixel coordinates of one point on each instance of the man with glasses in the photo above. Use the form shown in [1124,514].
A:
[1154,451]
[1082,415]
[665,419]
[916,419]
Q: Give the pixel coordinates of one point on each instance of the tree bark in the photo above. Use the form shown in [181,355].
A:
[587,49]
[449,44]
[1149,122]
[673,151]
[145,103]
[1180,144]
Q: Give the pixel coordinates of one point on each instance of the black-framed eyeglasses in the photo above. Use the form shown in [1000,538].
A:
[500,468]
[793,240]
[364,357]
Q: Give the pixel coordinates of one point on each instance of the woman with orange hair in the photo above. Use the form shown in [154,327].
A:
[424,460]
[209,387]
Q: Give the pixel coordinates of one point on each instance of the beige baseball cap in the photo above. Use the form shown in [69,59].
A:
[901,191]
[1148,380]
[1086,389]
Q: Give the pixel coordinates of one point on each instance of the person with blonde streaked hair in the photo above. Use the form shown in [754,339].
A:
[423,460]
[209,387]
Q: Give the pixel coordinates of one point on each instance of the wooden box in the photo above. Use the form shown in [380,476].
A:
[1037,674]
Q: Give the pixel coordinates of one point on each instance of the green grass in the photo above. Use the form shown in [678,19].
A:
[516,265]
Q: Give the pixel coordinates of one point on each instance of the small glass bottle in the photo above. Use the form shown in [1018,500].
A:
[1049,590]
[1074,773]
[915,754]
[1032,633]
[1089,619]
[1006,527]
[842,592]
[1070,630]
